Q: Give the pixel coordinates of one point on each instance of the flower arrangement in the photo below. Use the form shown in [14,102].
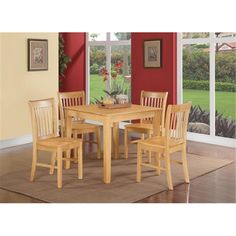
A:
[116,70]
[117,89]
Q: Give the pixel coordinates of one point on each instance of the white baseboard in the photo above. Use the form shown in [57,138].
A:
[15,141]
[203,138]
[192,137]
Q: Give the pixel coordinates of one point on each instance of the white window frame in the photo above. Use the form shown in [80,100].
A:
[211,40]
[108,43]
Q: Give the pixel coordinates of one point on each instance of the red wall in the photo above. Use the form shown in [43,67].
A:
[154,79]
[75,74]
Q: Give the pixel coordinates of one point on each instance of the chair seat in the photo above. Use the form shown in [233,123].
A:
[140,127]
[58,142]
[160,142]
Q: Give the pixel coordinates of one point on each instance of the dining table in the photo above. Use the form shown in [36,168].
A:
[110,119]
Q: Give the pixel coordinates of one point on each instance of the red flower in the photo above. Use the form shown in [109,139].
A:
[116,71]
[103,72]
[117,67]
[118,64]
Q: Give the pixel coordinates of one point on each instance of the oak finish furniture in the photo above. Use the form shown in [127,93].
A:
[79,127]
[174,140]
[44,127]
[151,99]
[111,118]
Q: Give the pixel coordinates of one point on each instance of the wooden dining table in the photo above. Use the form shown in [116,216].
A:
[111,118]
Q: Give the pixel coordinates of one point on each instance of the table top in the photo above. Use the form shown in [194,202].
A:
[95,109]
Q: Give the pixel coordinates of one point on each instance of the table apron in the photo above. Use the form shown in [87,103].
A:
[115,118]
[133,116]
[82,115]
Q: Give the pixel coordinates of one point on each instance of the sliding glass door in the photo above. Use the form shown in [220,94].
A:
[208,79]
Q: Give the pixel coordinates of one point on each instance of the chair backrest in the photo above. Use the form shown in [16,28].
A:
[68,99]
[154,99]
[177,122]
[43,118]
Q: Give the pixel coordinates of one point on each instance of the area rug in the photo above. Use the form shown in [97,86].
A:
[15,170]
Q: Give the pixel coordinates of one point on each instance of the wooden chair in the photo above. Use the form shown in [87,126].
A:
[44,127]
[153,99]
[79,127]
[174,140]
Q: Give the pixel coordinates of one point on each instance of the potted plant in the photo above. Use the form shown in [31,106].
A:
[64,59]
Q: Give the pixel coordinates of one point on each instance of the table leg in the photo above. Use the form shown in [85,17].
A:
[107,151]
[68,134]
[157,132]
[116,139]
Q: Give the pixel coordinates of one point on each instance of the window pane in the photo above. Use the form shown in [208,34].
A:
[225,84]
[115,36]
[97,36]
[121,69]
[97,83]
[225,34]
[191,35]
[196,86]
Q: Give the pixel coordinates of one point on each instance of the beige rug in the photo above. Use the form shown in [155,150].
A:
[15,169]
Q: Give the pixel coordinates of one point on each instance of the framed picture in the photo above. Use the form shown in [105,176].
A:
[153,53]
[37,54]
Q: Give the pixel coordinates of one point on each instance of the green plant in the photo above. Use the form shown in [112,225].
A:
[63,58]
[223,126]
[197,114]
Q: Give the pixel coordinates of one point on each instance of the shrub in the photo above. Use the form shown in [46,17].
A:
[204,85]
[229,87]
[223,127]
[94,68]
[196,84]
[196,64]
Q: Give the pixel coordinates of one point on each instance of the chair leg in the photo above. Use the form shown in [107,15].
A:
[98,133]
[149,153]
[53,160]
[142,138]
[139,162]
[34,161]
[126,143]
[59,168]
[149,157]
[158,162]
[80,161]
[168,171]
[67,163]
[185,164]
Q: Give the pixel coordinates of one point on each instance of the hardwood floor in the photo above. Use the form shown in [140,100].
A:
[215,187]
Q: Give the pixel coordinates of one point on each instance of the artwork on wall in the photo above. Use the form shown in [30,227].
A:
[153,53]
[37,54]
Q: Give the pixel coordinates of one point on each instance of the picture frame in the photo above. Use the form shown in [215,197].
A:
[152,53]
[37,54]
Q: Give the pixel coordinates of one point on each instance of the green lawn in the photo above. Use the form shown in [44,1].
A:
[225,101]
[97,85]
